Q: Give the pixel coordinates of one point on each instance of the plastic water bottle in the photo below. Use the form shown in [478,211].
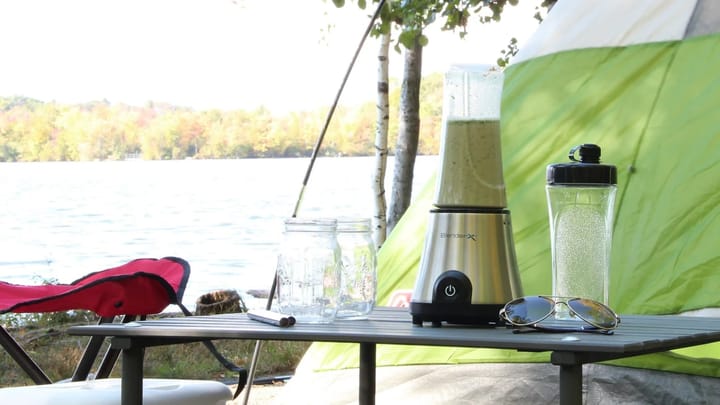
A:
[581,200]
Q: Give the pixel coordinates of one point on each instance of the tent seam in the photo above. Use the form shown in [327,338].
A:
[643,132]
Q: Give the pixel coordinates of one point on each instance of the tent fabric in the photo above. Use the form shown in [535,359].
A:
[576,25]
[498,383]
[139,287]
[640,80]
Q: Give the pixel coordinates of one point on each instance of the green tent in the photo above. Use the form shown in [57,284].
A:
[640,79]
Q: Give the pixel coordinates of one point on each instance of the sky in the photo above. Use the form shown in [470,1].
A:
[226,54]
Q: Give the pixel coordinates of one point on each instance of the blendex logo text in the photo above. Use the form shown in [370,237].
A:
[472,236]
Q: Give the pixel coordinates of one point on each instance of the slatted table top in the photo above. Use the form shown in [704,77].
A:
[637,334]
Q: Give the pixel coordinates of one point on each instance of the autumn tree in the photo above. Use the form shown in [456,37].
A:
[32,130]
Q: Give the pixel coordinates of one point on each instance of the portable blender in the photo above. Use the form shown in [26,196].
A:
[468,269]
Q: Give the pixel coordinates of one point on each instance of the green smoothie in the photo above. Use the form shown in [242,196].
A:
[471,165]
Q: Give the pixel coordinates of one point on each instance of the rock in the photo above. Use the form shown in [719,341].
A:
[219,302]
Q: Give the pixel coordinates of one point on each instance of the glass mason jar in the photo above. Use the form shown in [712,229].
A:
[308,270]
[358,278]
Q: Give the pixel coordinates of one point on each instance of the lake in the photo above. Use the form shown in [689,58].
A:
[62,220]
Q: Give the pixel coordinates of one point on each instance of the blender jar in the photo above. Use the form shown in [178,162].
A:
[471,159]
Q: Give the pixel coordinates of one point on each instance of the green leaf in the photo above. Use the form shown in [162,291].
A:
[339,3]
[407,38]
[362,4]
[423,40]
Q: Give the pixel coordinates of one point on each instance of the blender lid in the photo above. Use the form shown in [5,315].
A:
[587,170]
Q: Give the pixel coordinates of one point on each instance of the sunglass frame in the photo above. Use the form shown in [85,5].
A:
[554,301]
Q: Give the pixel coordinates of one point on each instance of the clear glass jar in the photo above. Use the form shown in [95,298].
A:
[358,278]
[308,270]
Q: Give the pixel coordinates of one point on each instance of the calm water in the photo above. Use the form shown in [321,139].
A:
[63,220]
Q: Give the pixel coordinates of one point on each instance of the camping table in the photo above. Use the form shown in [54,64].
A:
[637,334]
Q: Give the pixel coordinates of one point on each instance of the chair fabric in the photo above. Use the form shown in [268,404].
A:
[139,287]
[135,289]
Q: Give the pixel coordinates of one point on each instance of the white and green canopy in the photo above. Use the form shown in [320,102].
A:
[642,80]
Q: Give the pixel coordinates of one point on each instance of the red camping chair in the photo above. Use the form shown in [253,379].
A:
[138,288]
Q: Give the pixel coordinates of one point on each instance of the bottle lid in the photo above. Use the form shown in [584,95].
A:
[587,170]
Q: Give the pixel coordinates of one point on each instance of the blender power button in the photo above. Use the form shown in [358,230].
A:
[450,290]
[452,287]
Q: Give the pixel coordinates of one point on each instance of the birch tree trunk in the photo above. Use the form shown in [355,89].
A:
[381,141]
[409,130]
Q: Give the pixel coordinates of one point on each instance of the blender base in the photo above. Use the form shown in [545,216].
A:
[456,313]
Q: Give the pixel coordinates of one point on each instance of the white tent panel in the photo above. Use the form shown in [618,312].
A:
[573,24]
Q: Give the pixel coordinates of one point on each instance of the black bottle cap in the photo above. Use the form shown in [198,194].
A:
[587,170]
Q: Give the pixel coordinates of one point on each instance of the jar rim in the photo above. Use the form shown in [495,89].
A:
[318,221]
[311,224]
[353,224]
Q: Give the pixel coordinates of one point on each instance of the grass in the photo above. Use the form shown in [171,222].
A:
[43,337]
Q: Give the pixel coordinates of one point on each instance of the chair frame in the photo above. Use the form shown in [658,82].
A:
[84,366]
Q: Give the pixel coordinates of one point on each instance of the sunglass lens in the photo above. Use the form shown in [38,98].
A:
[594,312]
[528,310]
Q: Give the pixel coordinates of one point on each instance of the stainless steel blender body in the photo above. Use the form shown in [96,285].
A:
[468,269]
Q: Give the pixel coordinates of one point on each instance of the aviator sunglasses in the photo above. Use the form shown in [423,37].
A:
[530,311]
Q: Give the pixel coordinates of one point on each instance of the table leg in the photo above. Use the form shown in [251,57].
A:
[132,376]
[366,395]
[571,384]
